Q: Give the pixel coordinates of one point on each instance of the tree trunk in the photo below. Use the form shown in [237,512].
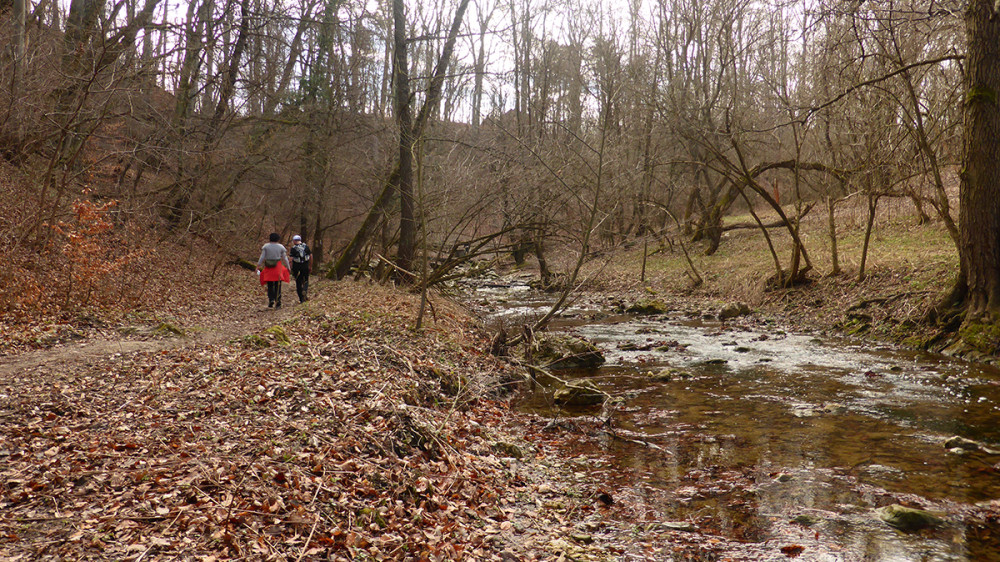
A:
[20,13]
[711,230]
[401,83]
[712,220]
[209,51]
[834,257]
[81,25]
[979,213]
[480,69]
[543,266]
[229,81]
[381,205]
[872,205]
[318,248]
[390,189]
[294,53]
[193,42]
[575,90]
[779,275]
[687,221]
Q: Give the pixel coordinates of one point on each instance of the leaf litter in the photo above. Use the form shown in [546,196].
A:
[326,431]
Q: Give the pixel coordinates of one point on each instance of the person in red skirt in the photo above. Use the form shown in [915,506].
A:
[273,268]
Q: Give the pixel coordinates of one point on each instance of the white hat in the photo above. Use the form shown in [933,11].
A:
[296,237]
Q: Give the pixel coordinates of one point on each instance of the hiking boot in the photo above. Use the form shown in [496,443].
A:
[270,304]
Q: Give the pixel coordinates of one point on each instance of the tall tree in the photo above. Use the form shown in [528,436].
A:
[232,70]
[19,14]
[392,185]
[485,10]
[401,83]
[978,285]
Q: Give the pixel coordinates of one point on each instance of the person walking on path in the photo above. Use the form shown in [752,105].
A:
[274,262]
[301,260]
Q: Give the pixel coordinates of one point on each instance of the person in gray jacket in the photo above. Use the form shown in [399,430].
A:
[274,265]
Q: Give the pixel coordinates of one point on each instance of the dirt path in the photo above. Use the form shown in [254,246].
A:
[205,327]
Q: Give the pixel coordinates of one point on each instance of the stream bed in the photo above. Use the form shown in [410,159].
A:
[742,430]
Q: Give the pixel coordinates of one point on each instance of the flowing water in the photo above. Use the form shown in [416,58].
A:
[748,432]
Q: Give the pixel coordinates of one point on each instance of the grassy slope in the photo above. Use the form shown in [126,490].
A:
[909,266]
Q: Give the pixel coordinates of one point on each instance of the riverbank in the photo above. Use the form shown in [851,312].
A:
[787,440]
[909,268]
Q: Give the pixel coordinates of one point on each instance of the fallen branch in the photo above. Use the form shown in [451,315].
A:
[534,370]
[636,441]
[750,225]
[885,299]
[776,224]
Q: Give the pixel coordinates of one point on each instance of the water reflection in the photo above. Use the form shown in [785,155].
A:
[762,434]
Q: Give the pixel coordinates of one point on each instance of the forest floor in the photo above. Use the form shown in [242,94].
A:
[330,430]
[214,428]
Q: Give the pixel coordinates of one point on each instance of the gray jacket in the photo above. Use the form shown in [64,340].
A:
[273,251]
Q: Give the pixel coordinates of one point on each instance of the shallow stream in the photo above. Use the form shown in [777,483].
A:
[748,432]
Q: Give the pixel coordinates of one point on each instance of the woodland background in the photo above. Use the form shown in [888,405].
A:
[553,124]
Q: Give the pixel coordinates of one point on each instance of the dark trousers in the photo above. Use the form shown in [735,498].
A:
[301,281]
[273,293]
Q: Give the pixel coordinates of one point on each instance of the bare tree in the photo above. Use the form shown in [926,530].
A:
[392,186]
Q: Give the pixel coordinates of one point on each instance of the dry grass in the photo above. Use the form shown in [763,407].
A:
[908,267]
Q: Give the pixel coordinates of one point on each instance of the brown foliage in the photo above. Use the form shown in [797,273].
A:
[336,445]
[95,259]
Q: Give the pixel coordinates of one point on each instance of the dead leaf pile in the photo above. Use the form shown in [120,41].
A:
[336,433]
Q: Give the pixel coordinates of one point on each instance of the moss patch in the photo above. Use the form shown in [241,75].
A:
[253,341]
[981,94]
[166,329]
[856,324]
[278,335]
[982,337]
[648,306]
[907,518]
[560,351]
[917,342]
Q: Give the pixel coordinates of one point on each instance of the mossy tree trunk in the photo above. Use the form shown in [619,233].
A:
[977,290]
[979,212]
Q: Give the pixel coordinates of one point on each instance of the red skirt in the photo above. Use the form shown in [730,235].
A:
[276,273]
